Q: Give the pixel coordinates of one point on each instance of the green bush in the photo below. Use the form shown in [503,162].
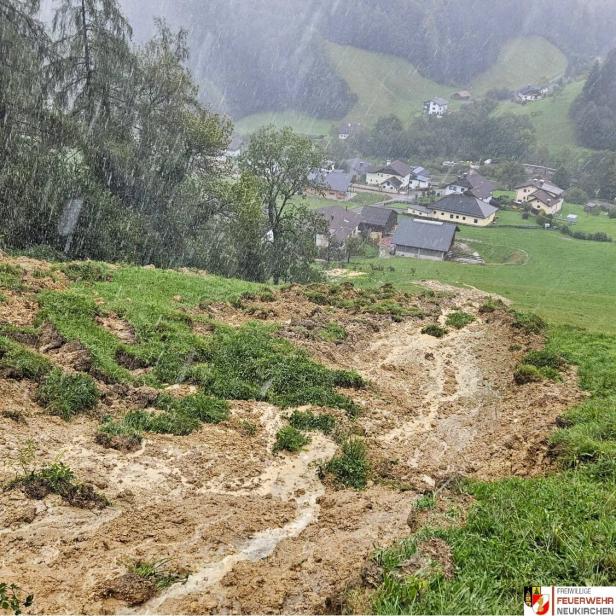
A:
[16,361]
[307,420]
[66,394]
[527,374]
[459,319]
[351,467]
[11,598]
[290,439]
[434,329]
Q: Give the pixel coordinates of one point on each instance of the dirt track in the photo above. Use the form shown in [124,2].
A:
[260,532]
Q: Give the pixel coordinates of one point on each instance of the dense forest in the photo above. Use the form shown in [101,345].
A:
[268,55]
[594,112]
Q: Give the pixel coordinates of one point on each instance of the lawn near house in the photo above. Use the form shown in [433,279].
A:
[563,280]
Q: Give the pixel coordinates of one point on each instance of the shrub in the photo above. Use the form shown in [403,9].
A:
[611,213]
[434,330]
[157,573]
[333,332]
[290,439]
[67,394]
[459,319]
[525,373]
[577,195]
[307,420]
[351,467]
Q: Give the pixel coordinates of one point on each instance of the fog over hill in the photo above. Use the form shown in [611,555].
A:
[268,55]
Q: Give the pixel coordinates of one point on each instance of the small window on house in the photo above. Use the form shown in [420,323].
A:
[463,217]
[450,215]
[475,221]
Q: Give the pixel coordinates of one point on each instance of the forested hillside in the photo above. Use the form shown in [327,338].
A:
[270,56]
[594,111]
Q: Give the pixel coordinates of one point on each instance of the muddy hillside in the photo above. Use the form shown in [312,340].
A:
[155,462]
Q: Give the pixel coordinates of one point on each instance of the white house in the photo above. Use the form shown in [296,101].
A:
[347,129]
[473,183]
[436,106]
[420,179]
[531,93]
[541,195]
[383,175]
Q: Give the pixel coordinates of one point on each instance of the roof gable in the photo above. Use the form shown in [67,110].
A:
[425,234]
[465,204]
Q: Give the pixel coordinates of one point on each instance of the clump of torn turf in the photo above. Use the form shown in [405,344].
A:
[18,362]
[58,478]
[537,366]
[67,394]
[307,420]
[434,329]
[459,319]
[290,439]
[351,467]
[119,435]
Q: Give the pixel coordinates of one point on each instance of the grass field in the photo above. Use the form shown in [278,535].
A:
[299,122]
[522,61]
[563,280]
[550,117]
[357,202]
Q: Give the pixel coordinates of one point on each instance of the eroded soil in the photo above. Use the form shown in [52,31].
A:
[261,532]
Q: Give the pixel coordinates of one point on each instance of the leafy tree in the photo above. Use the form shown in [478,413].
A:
[282,162]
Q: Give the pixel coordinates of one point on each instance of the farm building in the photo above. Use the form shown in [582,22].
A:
[541,195]
[463,209]
[423,239]
[341,225]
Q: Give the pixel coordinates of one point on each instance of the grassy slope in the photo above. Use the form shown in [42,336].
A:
[521,61]
[563,280]
[299,122]
[550,116]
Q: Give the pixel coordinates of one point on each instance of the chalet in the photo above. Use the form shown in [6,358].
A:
[531,93]
[541,195]
[461,95]
[341,225]
[397,170]
[423,239]
[377,221]
[464,209]
[337,185]
[347,129]
[436,106]
[473,183]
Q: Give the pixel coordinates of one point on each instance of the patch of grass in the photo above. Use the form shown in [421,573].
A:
[545,359]
[426,501]
[162,422]
[459,319]
[290,439]
[351,466]
[333,332]
[10,277]
[18,362]
[66,394]
[86,271]
[198,406]
[307,420]
[528,322]
[434,329]
[158,573]
[119,435]
[249,363]
[491,305]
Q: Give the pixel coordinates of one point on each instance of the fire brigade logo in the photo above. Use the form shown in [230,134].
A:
[536,600]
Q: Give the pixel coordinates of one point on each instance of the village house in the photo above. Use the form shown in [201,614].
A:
[473,183]
[464,209]
[359,168]
[334,185]
[423,239]
[393,177]
[419,179]
[377,221]
[341,225]
[531,93]
[436,106]
[348,129]
[541,195]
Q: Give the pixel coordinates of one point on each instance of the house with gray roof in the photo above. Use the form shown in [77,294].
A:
[542,195]
[464,209]
[334,185]
[377,220]
[474,183]
[394,176]
[423,239]
[341,225]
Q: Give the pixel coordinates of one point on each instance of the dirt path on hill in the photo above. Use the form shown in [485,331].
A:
[259,532]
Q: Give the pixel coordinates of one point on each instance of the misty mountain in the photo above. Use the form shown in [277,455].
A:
[268,55]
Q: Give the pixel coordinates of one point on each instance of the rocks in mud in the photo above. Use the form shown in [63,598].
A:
[129,588]
[143,396]
[49,338]
[17,514]
[119,442]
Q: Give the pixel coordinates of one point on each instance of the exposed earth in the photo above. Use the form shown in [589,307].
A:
[259,532]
